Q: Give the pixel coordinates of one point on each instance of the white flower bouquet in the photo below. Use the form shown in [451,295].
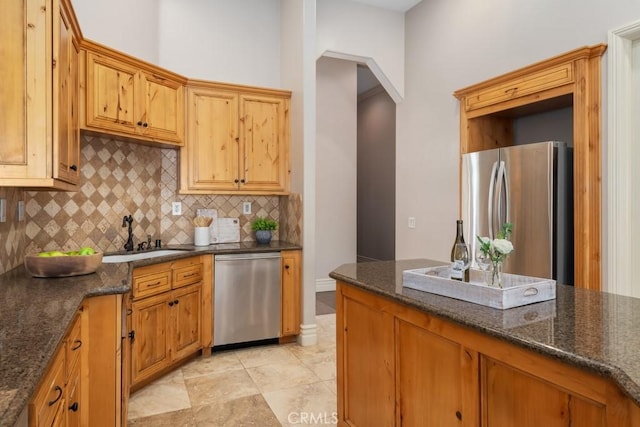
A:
[496,251]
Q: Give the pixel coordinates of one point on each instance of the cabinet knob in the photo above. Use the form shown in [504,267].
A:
[145,124]
[74,168]
[459,415]
[286,266]
[139,123]
[236,181]
[170,303]
[132,335]
[74,407]
[242,181]
[176,302]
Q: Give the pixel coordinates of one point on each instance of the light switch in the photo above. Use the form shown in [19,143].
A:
[411,222]
[3,210]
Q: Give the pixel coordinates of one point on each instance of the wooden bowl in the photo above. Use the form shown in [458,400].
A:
[62,266]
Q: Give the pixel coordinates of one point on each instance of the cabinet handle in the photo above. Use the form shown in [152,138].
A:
[188,275]
[74,168]
[132,335]
[74,407]
[151,285]
[286,266]
[59,390]
[459,415]
[77,345]
[139,123]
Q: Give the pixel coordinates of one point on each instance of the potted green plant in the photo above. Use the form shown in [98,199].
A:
[263,227]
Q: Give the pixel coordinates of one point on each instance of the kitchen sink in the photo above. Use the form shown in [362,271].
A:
[106,259]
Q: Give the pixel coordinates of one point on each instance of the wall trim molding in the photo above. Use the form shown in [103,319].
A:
[620,139]
[325,285]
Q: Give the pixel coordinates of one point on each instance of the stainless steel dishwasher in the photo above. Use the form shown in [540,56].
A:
[246,298]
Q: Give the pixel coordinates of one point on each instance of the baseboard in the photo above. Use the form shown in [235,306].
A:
[325,285]
[308,335]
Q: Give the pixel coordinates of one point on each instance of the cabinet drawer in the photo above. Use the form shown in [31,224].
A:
[47,405]
[188,275]
[74,346]
[515,88]
[151,284]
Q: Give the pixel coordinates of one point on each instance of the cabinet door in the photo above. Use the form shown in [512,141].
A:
[264,143]
[212,140]
[65,93]
[432,374]
[186,321]
[150,345]
[111,94]
[513,398]
[75,405]
[290,277]
[366,394]
[161,114]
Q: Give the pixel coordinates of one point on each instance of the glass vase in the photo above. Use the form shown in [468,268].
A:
[495,277]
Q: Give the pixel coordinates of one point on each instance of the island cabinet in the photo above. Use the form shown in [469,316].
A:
[39,127]
[237,140]
[166,317]
[127,97]
[399,366]
[290,283]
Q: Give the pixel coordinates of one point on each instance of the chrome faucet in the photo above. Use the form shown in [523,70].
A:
[129,245]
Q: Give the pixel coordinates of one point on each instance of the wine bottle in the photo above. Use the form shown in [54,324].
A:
[459,261]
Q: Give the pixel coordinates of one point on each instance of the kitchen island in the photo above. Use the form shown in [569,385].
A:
[38,312]
[412,358]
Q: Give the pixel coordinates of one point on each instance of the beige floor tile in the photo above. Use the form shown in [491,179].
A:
[323,364]
[333,385]
[278,376]
[243,412]
[182,418]
[159,397]
[257,356]
[306,405]
[220,388]
[214,364]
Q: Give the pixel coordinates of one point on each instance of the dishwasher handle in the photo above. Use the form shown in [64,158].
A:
[247,256]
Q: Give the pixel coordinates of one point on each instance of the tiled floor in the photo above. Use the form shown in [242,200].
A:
[275,385]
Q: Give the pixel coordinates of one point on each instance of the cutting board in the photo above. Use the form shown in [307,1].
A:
[228,230]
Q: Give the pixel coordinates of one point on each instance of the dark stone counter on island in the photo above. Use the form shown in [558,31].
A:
[595,331]
[36,313]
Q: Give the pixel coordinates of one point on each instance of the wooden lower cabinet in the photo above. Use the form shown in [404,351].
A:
[166,325]
[398,366]
[291,262]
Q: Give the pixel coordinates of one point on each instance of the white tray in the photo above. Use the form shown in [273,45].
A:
[517,290]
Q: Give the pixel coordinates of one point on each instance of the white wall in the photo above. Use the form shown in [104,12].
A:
[349,28]
[451,45]
[222,40]
[336,159]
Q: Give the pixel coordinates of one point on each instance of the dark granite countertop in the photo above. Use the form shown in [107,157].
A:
[36,313]
[596,331]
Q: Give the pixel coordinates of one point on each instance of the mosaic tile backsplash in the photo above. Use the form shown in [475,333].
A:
[121,178]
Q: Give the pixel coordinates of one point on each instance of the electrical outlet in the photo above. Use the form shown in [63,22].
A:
[246,208]
[412,222]
[176,208]
[3,210]
[20,210]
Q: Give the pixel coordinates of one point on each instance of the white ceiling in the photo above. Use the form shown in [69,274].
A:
[398,5]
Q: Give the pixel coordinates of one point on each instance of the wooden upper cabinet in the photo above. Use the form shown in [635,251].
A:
[127,97]
[39,126]
[237,140]
[489,109]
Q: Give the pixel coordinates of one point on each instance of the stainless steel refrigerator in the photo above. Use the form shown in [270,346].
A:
[530,186]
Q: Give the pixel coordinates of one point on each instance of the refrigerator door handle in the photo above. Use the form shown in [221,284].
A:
[500,179]
[507,201]
[492,181]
